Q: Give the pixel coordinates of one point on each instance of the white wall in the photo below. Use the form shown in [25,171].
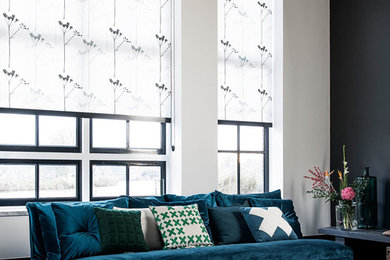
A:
[194,163]
[306,105]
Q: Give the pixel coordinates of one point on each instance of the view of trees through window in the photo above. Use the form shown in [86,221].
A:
[33,177]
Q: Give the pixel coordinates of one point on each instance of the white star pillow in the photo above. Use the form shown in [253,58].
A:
[267,224]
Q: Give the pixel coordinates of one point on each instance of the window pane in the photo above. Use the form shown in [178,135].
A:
[57,131]
[251,138]
[17,129]
[227,172]
[145,180]
[57,181]
[109,180]
[145,135]
[109,133]
[227,137]
[252,173]
[17,181]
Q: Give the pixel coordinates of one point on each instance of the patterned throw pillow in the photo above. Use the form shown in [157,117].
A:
[120,231]
[181,226]
[268,224]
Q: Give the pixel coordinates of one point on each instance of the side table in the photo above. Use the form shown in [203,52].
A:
[364,242]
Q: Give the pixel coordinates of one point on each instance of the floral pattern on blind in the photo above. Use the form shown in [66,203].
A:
[245,64]
[100,56]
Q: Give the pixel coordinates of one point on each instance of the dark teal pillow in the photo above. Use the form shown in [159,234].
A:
[209,198]
[227,200]
[120,231]
[228,226]
[37,246]
[77,229]
[267,224]
[286,206]
[49,231]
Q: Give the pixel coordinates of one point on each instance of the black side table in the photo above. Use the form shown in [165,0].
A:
[365,243]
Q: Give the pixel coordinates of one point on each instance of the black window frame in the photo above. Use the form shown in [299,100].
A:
[37,162]
[128,150]
[238,151]
[128,164]
[44,148]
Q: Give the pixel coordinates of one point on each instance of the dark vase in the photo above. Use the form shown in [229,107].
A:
[367,204]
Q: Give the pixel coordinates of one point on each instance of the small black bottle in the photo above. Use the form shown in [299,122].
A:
[367,204]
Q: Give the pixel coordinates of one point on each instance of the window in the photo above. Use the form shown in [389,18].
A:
[126,136]
[243,156]
[110,179]
[38,180]
[245,94]
[31,177]
[25,132]
[83,82]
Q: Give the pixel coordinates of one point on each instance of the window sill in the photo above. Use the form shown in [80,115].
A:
[13,211]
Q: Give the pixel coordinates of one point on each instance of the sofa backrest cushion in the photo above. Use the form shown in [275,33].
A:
[37,246]
[77,228]
[228,226]
[286,206]
[208,197]
[227,200]
[120,231]
[149,228]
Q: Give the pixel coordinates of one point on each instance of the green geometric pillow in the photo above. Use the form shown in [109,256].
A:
[181,226]
[120,231]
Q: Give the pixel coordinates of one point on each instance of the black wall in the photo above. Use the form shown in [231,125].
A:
[360,91]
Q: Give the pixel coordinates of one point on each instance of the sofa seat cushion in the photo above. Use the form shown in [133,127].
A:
[281,250]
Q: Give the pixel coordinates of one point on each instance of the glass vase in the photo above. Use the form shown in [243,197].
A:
[346,215]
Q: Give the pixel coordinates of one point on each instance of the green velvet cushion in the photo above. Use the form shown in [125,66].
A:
[120,231]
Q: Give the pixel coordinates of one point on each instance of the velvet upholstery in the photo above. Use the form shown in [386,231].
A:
[286,206]
[228,226]
[279,250]
[209,198]
[77,228]
[43,244]
[227,200]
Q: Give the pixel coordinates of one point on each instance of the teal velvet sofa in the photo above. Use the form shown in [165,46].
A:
[48,239]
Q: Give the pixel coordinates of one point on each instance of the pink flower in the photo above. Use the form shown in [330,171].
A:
[347,193]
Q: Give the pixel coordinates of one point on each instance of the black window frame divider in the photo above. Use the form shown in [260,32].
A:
[36,163]
[266,126]
[128,164]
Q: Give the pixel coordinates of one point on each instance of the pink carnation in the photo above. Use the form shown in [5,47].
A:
[347,193]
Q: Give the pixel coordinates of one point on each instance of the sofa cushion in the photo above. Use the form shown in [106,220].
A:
[267,224]
[181,226]
[287,208]
[209,198]
[149,228]
[282,250]
[228,226]
[227,200]
[41,234]
[120,231]
[77,228]
[202,207]
[37,246]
